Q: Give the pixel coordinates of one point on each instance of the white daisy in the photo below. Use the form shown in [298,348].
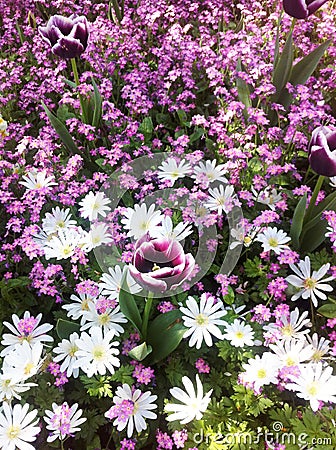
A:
[169,170]
[290,328]
[25,329]
[109,320]
[56,220]
[97,236]
[268,196]
[110,283]
[202,320]
[3,127]
[94,204]
[11,387]
[239,333]
[211,171]
[139,221]
[17,427]
[192,403]
[332,182]
[64,244]
[292,353]
[96,352]
[37,180]
[24,361]
[131,408]
[81,304]
[314,384]
[63,421]
[261,371]
[221,199]
[310,285]
[273,239]
[66,352]
[166,230]
[320,345]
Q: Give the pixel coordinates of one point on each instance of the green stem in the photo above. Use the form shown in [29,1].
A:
[313,198]
[76,78]
[108,442]
[145,317]
[62,446]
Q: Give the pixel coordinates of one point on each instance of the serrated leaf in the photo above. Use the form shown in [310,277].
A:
[140,352]
[97,102]
[328,310]
[297,222]
[61,130]
[283,67]
[64,328]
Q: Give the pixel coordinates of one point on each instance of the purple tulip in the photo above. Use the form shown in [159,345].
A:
[160,264]
[68,36]
[322,151]
[301,9]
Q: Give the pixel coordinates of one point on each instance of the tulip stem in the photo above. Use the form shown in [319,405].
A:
[314,197]
[145,317]
[76,78]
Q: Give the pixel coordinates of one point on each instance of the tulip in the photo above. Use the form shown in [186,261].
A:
[301,9]
[159,265]
[322,151]
[68,36]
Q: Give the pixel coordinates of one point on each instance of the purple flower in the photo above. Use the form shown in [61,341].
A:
[160,264]
[301,9]
[68,36]
[322,151]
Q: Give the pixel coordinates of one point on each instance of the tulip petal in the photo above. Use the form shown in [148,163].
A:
[296,8]
[315,5]
[323,161]
[68,48]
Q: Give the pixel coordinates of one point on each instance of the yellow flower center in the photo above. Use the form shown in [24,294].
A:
[73,350]
[67,250]
[261,373]
[312,389]
[104,319]
[202,320]
[310,283]
[290,362]
[28,368]
[98,353]
[85,305]
[13,432]
[239,335]
[273,242]
[287,330]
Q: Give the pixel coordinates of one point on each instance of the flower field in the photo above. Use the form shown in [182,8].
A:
[168,225]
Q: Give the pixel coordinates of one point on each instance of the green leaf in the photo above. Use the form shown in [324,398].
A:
[146,127]
[243,89]
[328,310]
[297,222]
[64,328]
[97,102]
[196,135]
[129,307]
[140,351]
[61,130]
[283,67]
[229,298]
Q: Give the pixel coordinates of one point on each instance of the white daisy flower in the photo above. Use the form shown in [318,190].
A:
[11,387]
[139,221]
[94,204]
[242,237]
[56,220]
[320,345]
[131,408]
[221,199]
[261,371]
[166,230]
[310,285]
[171,171]
[192,403]
[332,182]
[66,352]
[64,244]
[81,304]
[24,361]
[63,421]
[37,180]
[202,320]
[17,427]
[25,329]
[3,127]
[211,171]
[314,384]
[273,239]
[239,333]
[109,320]
[41,238]
[97,236]
[290,328]
[96,352]
[110,283]
[268,196]
[292,353]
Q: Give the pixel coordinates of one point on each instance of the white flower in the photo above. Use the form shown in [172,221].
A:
[96,352]
[332,181]
[310,285]
[320,345]
[268,196]
[66,352]
[56,220]
[11,386]
[131,409]
[64,244]
[273,239]
[292,328]
[261,371]
[17,427]
[166,230]
[192,403]
[221,199]
[202,320]
[239,333]
[97,236]
[211,171]
[94,204]
[80,305]
[241,236]
[314,384]
[63,421]
[139,221]
[292,353]
[109,320]
[110,284]
[169,170]
[24,361]
[3,127]
[37,180]
[25,329]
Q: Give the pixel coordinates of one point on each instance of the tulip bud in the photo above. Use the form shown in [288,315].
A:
[322,151]
[68,36]
[301,9]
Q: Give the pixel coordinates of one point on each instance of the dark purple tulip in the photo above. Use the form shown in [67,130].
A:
[322,151]
[160,264]
[301,9]
[68,36]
